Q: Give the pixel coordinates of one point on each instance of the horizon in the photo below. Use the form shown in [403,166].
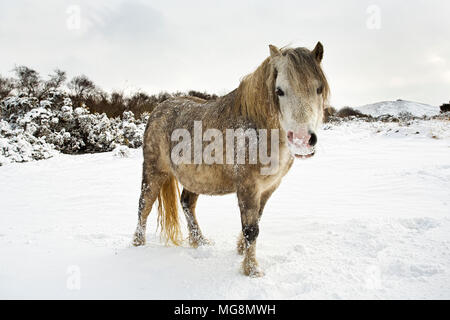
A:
[128,94]
[374,52]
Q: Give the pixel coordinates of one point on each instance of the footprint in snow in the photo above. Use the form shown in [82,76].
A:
[419,224]
[201,253]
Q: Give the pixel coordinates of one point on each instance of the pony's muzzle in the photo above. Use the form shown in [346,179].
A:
[301,142]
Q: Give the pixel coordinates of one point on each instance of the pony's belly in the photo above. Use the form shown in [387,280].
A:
[212,180]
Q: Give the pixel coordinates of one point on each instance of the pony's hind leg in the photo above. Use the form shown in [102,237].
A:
[188,201]
[150,187]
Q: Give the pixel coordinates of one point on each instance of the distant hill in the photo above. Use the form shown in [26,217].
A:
[394,108]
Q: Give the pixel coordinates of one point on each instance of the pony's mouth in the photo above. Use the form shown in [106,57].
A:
[302,156]
[301,151]
[301,143]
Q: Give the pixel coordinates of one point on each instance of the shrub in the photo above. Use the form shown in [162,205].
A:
[30,83]
[445,107]
[328,112]
[84,93]
[34,130]
[82,89]
[140,103]
[38,119]
[202,95]
[6,87]
[349,112]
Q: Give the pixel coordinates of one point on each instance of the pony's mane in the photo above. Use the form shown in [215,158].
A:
[255,97]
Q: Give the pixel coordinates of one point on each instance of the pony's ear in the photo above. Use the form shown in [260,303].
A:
[274,51]
[318,52]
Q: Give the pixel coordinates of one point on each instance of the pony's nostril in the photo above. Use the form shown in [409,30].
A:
[313,140]
[290,136]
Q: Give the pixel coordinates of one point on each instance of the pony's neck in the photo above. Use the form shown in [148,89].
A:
[254,98]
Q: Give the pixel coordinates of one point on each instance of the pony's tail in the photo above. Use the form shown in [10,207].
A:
[168,211]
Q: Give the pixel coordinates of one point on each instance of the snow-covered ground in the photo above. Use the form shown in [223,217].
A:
[368,217]
[395,108]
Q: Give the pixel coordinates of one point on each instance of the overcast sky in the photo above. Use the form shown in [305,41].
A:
[374,50]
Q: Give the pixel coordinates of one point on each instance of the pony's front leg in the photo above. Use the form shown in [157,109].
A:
[249,203]
[262,203]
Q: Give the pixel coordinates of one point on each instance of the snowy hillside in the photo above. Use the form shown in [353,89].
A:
[395,108]
[368,217]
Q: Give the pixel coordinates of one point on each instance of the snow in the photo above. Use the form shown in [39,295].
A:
[367,217]
[395,108]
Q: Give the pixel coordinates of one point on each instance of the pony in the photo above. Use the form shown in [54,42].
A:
[286,94]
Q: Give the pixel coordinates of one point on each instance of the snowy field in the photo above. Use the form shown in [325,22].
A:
[368,217]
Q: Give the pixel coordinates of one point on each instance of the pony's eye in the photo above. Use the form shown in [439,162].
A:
[320,90]
[279,92]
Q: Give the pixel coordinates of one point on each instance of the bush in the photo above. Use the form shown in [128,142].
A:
[34,130]
[349,112]
[84,93]
[30,83]
[328,112]
[445,107]
[82,90]
[202,95]
[115,104]
[6,87]
[39,119]
[140,103]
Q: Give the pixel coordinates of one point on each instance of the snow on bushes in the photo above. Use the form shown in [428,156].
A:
[122,152]
[17,145]
[33,130]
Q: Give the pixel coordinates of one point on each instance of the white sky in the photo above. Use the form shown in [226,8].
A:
[209,45]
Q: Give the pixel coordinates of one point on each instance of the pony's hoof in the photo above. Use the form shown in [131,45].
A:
[138,241]
[199,242]
[252,270]
[256,274]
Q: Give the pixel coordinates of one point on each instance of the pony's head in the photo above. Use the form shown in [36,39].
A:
[288,90]
[300,91]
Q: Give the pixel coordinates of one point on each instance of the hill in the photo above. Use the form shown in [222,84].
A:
[395,108]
